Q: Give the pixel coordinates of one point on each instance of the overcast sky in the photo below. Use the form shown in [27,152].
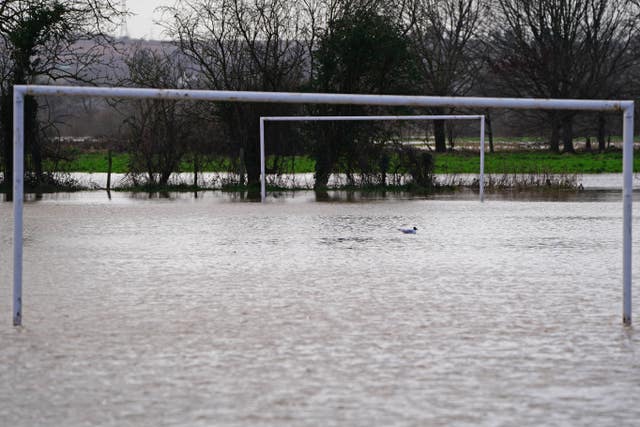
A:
[141,24]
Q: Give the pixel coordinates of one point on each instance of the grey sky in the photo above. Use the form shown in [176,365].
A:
[141,24]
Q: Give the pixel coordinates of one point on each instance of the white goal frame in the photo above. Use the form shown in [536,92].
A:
[263,176]
[20,91]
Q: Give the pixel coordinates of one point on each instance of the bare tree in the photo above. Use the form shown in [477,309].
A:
[612,37]
[244,45]
[159,131]
[43,40]
[443,33]
[562,49]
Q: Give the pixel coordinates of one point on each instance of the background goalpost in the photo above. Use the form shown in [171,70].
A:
[263,176]
[626,108]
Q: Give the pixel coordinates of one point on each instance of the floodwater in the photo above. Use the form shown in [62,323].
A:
[149,311]
[608,181]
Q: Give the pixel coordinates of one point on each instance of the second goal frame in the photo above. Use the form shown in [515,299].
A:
[263,176]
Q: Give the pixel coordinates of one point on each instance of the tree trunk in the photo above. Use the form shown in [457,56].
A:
[195,171]
[554,142]
[602,131]
[7,140]
[329,140]
[242,167]
[252,160]
[36,157]
[323,168]
[109,167]
[489,130]
[567,134]
[32,139]
[164,178]
[440,136]
[244,127]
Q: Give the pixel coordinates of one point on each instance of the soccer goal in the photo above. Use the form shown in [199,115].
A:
[263,120]
[20,91]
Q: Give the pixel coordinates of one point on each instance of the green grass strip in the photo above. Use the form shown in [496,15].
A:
[452,163]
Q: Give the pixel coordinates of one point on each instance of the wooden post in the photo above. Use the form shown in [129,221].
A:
[195,175]
[195,172]
[109,167]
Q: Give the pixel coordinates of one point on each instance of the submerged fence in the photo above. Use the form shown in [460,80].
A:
[20,91]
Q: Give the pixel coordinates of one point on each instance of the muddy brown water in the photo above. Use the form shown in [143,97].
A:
[216,311]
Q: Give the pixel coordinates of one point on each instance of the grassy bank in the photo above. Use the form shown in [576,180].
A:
[452,163]
[533,162]
[97,162]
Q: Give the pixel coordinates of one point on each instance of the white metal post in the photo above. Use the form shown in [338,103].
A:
[263,176]
[481,159]
[627,196]
[20,91]
[368,118]
[18,194]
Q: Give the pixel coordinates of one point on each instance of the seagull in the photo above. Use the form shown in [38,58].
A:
[409,230]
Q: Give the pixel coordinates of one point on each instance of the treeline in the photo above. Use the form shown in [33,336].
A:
[519,48]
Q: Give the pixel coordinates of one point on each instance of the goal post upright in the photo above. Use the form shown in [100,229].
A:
[627,220]
[263,173]
[20,91]
[482,158]
[263,177]
[18,200]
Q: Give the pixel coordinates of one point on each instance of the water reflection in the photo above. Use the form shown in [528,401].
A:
[334,196]
[599,187]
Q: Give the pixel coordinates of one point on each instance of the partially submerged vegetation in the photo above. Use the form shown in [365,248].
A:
[505,170]
[402,47]
[49,182]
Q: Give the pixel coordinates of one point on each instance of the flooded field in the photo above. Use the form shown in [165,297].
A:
[149,311]
[608,181]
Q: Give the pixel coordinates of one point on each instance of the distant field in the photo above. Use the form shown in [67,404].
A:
[533,162]
[456,162]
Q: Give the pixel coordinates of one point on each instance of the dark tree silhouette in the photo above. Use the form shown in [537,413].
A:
[359,52]
[239,45]
[563,49]
[444,36]
[43,40]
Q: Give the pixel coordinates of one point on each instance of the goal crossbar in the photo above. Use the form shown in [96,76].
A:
[263,176]
[20,91]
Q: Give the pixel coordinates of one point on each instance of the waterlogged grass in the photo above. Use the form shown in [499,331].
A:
[452,163]
[93,163]
[98,162]
[301,164]
[533,162]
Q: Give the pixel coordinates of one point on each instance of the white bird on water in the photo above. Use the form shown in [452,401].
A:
[409,230]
